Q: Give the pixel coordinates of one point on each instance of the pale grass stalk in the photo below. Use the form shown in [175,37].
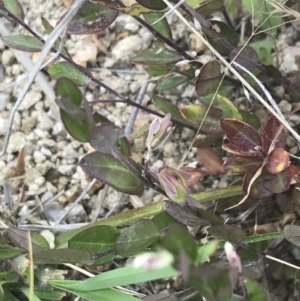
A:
[31,270]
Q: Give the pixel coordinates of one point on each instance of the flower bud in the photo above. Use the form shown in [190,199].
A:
[153,261]
[173,183]
[232,256]
[158,132]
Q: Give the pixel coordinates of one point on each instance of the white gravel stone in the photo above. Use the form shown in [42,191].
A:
[17,140]
[39,157]
[7,57]
[67,170]
[4,99]
[128,47]
[46,123]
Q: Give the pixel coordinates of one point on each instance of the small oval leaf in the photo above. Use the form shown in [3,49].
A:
[23,42]
[208,79]
[161,26]
[92,18]
[242,135]
[196,113]
[15,7]
[136,238]
[277,161]
[243,165]
[269,134]
[153,4]
[107,168]
[65,69]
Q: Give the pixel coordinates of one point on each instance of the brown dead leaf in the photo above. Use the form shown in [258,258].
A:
[20,165]
[195,175]
[210,159]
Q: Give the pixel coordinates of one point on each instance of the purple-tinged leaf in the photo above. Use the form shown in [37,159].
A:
[280,182]
[108,137]
[292,234]
[210,159]
[269,134]
[195,114]
[277,161]
[91,18]
[20,238]
[243,165]
[15,7]
[23,42]
[136,238]
[259,188]
[156,56]
[246,57]
[233,149]
[153,4]
[112,171]
[65,69]
[208,79]
[242,135]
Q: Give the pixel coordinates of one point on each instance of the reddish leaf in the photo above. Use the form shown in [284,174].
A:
[231,148]
[269,132]
[210,159]
[280,182]
[242,135]
[294,170]
[258,189]
[277,161]
[208,79]
[195,175]
[243,165]
[246,56]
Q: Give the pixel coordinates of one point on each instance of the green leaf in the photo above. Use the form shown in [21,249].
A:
[263,11]
[26,292]
[197,114]
[91,18]
[162,26]
[103,295]
[156,56]
[163,220]
[228,108]
[178,239]
[243,165]
[118,277]
[251,119]
[225,33]
[65,69]
[264,51]
[8,252]
[49,294]
[112,171]
[255,291]
[56,256]
[49,28]
[15,7]
[120,219]
[157,70]
[205,251]
[96,240]
[23,42]
[8,277]
[153,4]
[8,296]
[167,107]
[136,238]
[65,88]
[292,234]
[208,79]
[171,82]
[228,233]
